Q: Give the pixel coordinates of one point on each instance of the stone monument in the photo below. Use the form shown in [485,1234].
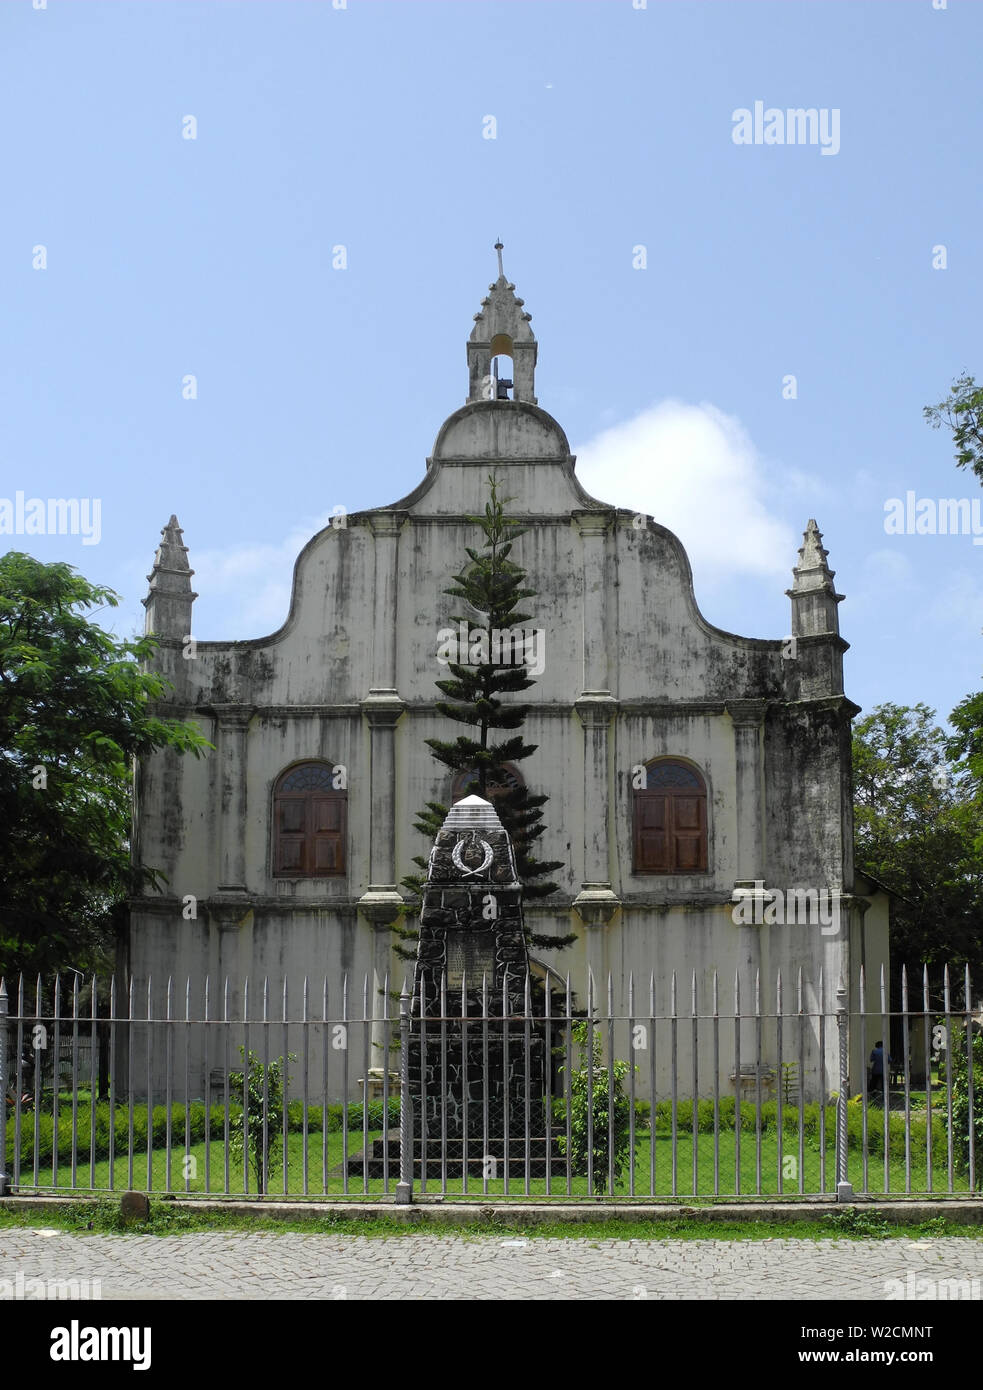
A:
[477,1059]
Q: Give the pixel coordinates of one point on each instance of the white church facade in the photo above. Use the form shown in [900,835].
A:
[685,766]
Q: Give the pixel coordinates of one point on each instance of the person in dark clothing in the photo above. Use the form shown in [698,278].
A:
[876,1076]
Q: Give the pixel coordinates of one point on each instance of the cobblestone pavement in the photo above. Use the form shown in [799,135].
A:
[289,1266]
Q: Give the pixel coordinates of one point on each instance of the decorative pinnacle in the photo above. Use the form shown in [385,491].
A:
[172,554]
[812,557]
[499,248]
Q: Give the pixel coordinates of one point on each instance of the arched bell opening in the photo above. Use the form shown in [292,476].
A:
[502,368]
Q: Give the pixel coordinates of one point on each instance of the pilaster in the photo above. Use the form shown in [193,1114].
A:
[596,902]
[232,728]
[381,902]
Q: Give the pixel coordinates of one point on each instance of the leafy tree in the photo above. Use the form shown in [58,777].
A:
[966,748]
[263,1099]
[76,706]
[916,832]
[962,411]
[492,586]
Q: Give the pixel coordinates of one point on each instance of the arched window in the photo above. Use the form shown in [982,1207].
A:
[309,820]
[669,820]
[466,784]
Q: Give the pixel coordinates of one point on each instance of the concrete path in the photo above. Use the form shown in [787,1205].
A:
[293,1266]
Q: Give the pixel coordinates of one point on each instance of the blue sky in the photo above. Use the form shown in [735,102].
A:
[364,127]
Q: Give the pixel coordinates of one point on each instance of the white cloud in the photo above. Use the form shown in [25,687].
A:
[887,567]
[886,589]
[695,470]
[245,589]
[959,604]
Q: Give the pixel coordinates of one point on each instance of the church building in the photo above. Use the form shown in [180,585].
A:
[698,782]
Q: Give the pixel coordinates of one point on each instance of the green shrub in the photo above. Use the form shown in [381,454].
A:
[727,1111]
[263,1083]
[336,1115]
[602,1146]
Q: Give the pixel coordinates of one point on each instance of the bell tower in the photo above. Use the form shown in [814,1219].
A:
[501,329]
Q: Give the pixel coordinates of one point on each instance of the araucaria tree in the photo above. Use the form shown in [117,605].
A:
[76,706]
[486,659]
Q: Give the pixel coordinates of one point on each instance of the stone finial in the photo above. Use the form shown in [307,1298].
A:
[812,559]
[473,847]
[813,594]
[169,601]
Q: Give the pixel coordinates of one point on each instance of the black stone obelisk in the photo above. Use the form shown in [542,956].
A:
[476,1059]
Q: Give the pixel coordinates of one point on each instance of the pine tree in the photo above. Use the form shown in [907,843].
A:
[492,586]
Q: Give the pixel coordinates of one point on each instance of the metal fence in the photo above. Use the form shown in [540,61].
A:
[371,1094]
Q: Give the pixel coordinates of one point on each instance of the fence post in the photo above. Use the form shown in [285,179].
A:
[404,1188]
[3,1089]
[844,1188]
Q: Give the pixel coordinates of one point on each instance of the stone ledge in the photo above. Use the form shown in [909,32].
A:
[962,1211]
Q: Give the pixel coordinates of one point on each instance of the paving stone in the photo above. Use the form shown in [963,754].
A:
[248,1265]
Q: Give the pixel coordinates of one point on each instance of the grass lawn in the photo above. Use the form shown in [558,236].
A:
[664,1185]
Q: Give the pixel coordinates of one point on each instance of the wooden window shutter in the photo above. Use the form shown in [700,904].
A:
[652,838]
[669,820]
[309,823]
